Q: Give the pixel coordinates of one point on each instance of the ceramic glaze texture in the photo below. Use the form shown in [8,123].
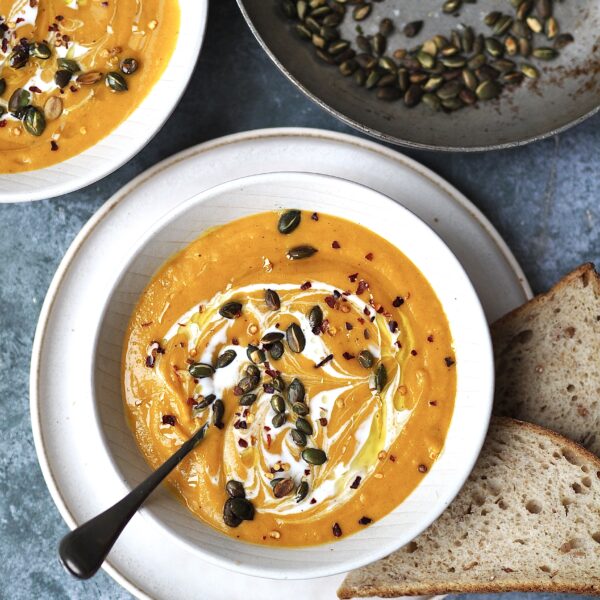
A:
[566,92]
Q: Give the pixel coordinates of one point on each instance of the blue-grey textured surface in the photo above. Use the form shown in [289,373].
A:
[544,200]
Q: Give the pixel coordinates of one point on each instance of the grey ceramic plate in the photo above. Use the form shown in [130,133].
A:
[566,94]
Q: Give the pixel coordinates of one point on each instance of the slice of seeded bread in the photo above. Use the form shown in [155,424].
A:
[548,359]
[528,519]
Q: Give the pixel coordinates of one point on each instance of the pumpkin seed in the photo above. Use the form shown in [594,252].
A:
[544,8]
[247,399]
[314,456]
[298,438]
[413,28]
[545,53]
[68,64]
[252,371]
[381,377]
[204,403]
[62,78]
[241,508]
[34,121]
[348,67]
[386,27]
[289,221]
[304,426]
[432,101]
[300,252]
[551,28]
[256,355]
[278,384]
[225,359]
[278,420]
[40,50]
[365,359]
[276,350]
[562,40]
[53,108]
[511,45]
[491,18]
[493,47]
[362,11]
[201,370]
[231,310]
[229,518]
[452,104]
[454,62]
[90,78]
[300,408]
[451,6]
[218,412]
[534,24]
[301,491]
[272,336]
[235,489]
[116,82]
[467,96]
[488,90]
[529,71]
[296,391]
[427,60]
[295,338]
[272,300]
[19,99]
[129,66]
[278,403]
[372,79]
[413,95]
[247,384]
[450,89]
[2,86]
[524,47]
[283,488]
[503,24]
[18,58]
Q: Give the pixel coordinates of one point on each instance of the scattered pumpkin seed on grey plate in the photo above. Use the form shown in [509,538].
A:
[416,75]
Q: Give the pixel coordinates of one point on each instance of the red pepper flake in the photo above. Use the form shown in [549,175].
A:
[348,356]
[353,277]
[242,443]
[328,358]
[354,485]
[306,285]
[393,326]
[324,325]
[323,423]
[330,301]
[398,301]
[365,521]
[35,89]
[307,472]
[361,320]
[2,123]
[337,530]
[313,501]
[367,334]
[433,403]
[362,286]
[380,310]
[366,311]
[59,18]
[314,216]
[191,402]
[349,326]
[169,420]
[414,352]
[54,148]
[422,469]
[238,391]
[449,361]
[235,341]
[398,343]
[73,89]
[430,338]
[268,387]
[19,20]
[272,372]
[335,245]
[369,256]
[392,458]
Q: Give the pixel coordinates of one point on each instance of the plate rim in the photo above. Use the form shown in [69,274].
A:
[121,196]
[58,189]
[390,139]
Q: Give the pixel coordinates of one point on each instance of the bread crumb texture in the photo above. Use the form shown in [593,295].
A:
[528,519]
[547,356]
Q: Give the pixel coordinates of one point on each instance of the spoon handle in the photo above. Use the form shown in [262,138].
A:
[83,550]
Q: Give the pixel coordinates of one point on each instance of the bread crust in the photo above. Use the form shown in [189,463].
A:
[480,587]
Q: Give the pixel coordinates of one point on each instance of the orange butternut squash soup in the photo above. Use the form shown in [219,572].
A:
[323,361]
[73,70]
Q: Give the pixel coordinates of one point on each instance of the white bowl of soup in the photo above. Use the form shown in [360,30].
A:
[86,84]
[337,350]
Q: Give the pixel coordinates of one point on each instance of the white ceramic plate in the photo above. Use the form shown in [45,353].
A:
[472,347]
[129,137]
[147,561]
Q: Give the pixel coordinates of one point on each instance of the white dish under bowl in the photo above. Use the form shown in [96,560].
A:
[474,364]
[131,135]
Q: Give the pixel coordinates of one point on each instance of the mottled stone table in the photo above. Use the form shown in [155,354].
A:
[544,200]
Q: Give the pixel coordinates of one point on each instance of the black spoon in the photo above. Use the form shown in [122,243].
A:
[83,551]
